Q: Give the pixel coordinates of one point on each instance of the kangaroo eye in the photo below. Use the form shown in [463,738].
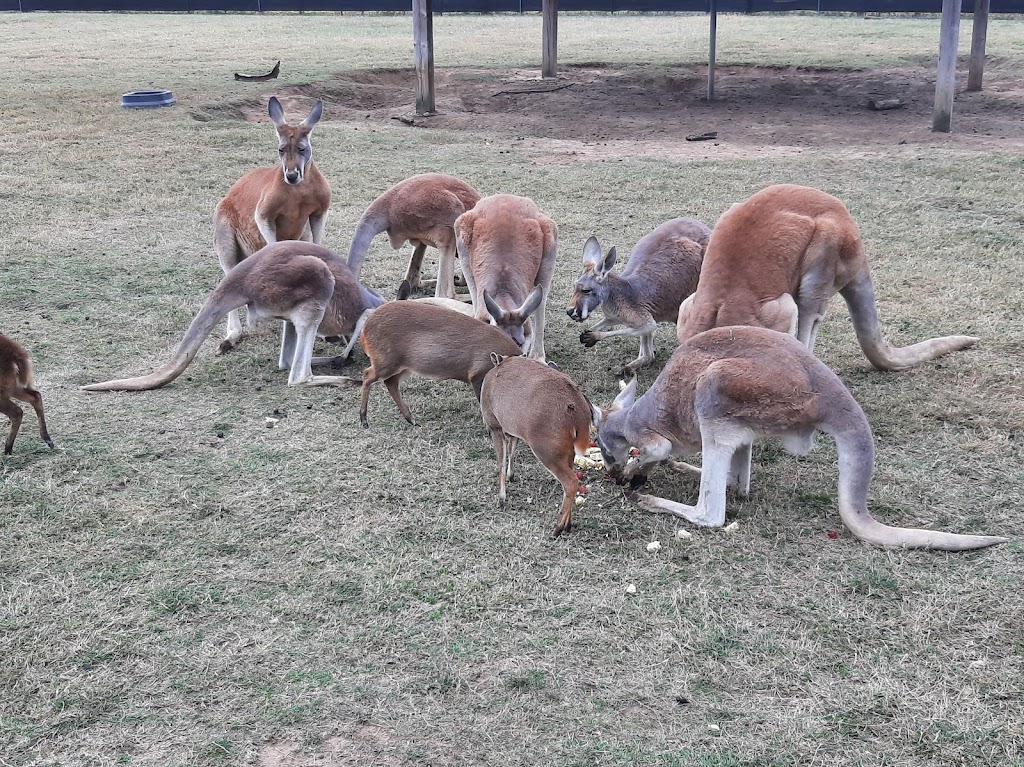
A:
[281,150]
[585,290]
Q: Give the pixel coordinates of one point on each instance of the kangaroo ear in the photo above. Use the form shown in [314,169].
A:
[404,291]
[314,114]
[596,415]
[497,313]
[495,359]
[609,261]
[626,397]
[276,111]
[684,314]
[780,314]
[592,252]
[531,304]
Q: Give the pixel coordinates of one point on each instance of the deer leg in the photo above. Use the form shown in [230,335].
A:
[35,399]
[557,456]
[369,377]
[392,386]
[13,412]
[288,337]
[499,439]
[511,443]
[415,270]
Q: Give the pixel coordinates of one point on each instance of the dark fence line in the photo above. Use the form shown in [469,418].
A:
[504,6]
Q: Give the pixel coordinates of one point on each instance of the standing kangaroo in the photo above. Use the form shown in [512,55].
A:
[776,259]
[267,205]
[414,337]
[306,285]
[725,388]
[525,400]
[662,271]
[420,210]
[16,383]
[507,249]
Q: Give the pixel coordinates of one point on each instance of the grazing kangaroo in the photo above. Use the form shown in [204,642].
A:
[405,290]
[774,261]
[725,388]
[420,210]
[507,249]
[306,285]
[406,337]
[524,399]
[16,383]
[662,271]
[268,205]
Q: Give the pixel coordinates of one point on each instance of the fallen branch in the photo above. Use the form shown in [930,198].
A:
[533,90]
[261,78]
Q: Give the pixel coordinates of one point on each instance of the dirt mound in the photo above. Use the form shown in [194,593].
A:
[599,110]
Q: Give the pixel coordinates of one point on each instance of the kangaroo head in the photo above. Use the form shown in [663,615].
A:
[511,321]
[294,146]
[611,431]
[590,290]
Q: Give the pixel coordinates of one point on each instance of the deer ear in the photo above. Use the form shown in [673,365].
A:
[495,359]
[531,304]
[626,397]
[592,252]
[497,313]
[276,111]
[404,291]
[609,261]
[314,114]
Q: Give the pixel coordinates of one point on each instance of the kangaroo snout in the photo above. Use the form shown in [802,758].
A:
[574,314]
[292,176]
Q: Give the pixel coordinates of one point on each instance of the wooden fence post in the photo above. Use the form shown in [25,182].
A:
[978,35]
[549,63]
[423,54]
[945,80]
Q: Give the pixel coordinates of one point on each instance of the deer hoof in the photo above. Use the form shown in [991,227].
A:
[587,338]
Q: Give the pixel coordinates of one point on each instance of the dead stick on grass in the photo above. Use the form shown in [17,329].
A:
[533,90]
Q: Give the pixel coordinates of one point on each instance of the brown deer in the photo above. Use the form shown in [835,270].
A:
[413,337]
[776,259]
[525,400]
[507,250]
[306,285]
[16,383]
[420,210]
[268,205]
[726,388]
[662,271]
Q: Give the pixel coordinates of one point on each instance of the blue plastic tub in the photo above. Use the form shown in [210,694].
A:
[147,99]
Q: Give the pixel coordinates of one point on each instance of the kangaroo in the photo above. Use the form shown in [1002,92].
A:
[774,261]
[405,290]
[524,399]
[404,337]
[16,383]
[420,210]
[725,388]
[306,285]
[267,205]
[507,250]
[662,271]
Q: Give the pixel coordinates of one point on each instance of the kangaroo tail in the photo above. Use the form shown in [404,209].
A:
[856,461]
[215,309]
[372,223]
[860,297]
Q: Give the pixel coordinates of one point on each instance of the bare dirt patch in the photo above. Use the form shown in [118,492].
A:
[597,111]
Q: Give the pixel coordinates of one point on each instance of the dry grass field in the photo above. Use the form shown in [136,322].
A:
[183,582]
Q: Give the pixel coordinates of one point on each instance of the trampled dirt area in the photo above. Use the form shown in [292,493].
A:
[599,111]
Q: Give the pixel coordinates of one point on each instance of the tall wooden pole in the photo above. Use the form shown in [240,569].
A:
[423,54]
[945,80]
[978,35]
[711,49]
[549,64]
